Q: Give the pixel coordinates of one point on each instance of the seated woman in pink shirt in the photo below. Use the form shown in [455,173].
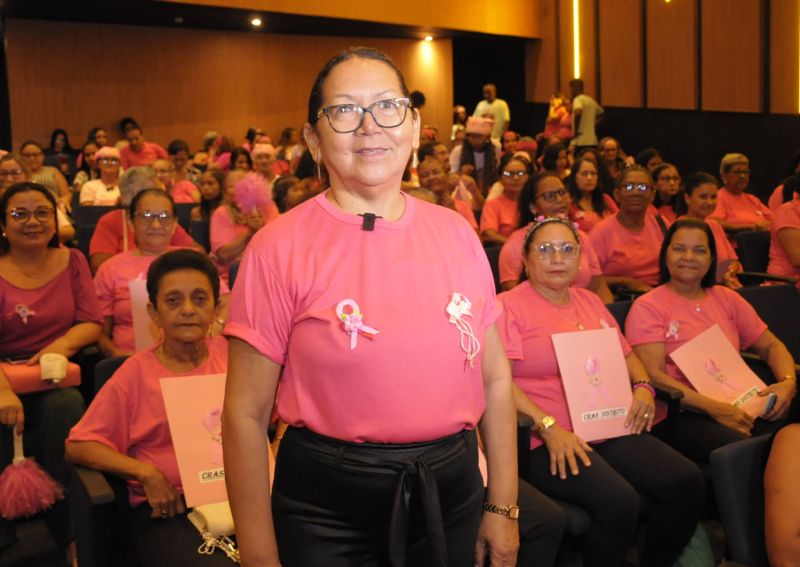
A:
[153,220]
[125,431]
[47,305]
[212,190]
[668,200]
[590,202]
[232,228]
[687,304]
[737,210]
[608,478]
[627,244]
[433,178]
[183,191]
[500,216]
[264,158]
[544,196]
[103,191]
[784,246]
[701,199]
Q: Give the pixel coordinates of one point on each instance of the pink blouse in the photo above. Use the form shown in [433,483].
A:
[624,252]
[587,220]
[501,214]
[740,209]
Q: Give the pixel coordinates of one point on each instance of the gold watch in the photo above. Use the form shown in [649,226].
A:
[510,512]
[547,422]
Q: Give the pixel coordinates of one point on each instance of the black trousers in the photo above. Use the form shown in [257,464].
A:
[541,527]
[340,504]
[624,472]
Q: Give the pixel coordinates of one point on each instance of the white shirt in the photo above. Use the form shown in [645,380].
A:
[584,132]
[498,111]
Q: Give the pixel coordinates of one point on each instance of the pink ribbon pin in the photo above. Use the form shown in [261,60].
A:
[458,308]
[672,331]
[24,312]
[597,395]
[353,321]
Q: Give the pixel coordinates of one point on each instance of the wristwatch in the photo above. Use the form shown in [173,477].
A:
[547,422]
[510,512]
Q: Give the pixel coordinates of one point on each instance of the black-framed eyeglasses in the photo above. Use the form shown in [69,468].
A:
[551,196]
[346,118]
[42,214]
[631,187]
[149,217]
[32,154]
[518,173]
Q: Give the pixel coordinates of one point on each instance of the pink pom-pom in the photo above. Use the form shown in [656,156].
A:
[251,194]
[26,489]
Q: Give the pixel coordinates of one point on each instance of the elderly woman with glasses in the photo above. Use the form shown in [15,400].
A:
[45,175]
[47,305]
[627,244]
[500,216]
[737,210]
[686,304]
[608,478]
[544,196]
[386,352]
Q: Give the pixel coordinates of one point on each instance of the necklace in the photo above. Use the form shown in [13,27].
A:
[575,322]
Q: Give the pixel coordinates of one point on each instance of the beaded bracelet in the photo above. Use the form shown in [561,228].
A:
[647,385]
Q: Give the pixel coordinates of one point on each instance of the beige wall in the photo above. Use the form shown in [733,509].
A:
[182,83]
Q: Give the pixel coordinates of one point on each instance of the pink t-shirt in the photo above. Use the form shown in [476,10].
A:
[525,326]
[587,220]
[410,381]
[224,230]
[31,319]
[786,217]
[510,263]
[501,214]
[740,209]
[108,235]
[560,126]
[627,253]
[776,198]
[463,208]
[667,213]
[663,316]
[149,153]
[128,413]
[184,191]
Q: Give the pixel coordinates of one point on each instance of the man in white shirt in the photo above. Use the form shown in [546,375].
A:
[585,114]
[495,109]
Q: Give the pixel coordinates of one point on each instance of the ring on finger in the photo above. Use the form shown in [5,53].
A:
[646,414]
[163,512]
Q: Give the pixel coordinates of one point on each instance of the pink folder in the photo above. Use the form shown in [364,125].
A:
[596,382]
[714,367]
[145,331]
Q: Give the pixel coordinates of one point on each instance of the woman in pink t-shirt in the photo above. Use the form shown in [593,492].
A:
[784,247]
[737,210]
[212,189]
[701,199]
[544,196]
[607,478]
[433,178]
[687,305]
[125,431]
[628,243]
[668,200]
[264,158]
[376,312]
[47,305]
[500,216]
[559,118]
[590,202]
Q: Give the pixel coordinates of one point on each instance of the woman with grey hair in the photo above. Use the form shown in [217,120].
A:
[736,210]
[113,233]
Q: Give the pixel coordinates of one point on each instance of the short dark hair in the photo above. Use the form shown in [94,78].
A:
[699,178]
[710,277]
[240,151]
[184,259]
[176,146]
[315,98]
[417,99]
[27,143]
[131,126]
[646,155]
[24,187]
[528,196]
[426,150]
[143,193]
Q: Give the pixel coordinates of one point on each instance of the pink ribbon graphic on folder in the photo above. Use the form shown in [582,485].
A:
[353,321]
[458,308]
[213,422]
[597,394]
[718,374]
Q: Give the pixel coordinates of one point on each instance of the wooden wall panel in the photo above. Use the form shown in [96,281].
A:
[182,83]
[784,61]
[509,17]
[731,55]
[541,56]
[588,49]
[672,54]
[621,53]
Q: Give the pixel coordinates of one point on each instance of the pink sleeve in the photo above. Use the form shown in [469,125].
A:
[786,217]
[108,418]
[645,324]
[87,308]
[598,242]
[510,263]
[720,212]
[184,192]
[160,152]
[760,206]
[748,323]
[466,211]
[490,217]
[104,241]
[104,288]
[261,311]
[222,229]
[611,205]
[272,212]
[594,262]
[182,239]
[125,157]
[509,331]
[776,198]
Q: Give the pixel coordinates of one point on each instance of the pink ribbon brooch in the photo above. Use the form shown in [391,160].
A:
[353,321]
[212,420]
[597,394]
[24,312]
[458,308]
[672,330]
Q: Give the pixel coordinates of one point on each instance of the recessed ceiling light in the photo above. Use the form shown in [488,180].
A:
[428,38]
[178,20]
[256,21]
